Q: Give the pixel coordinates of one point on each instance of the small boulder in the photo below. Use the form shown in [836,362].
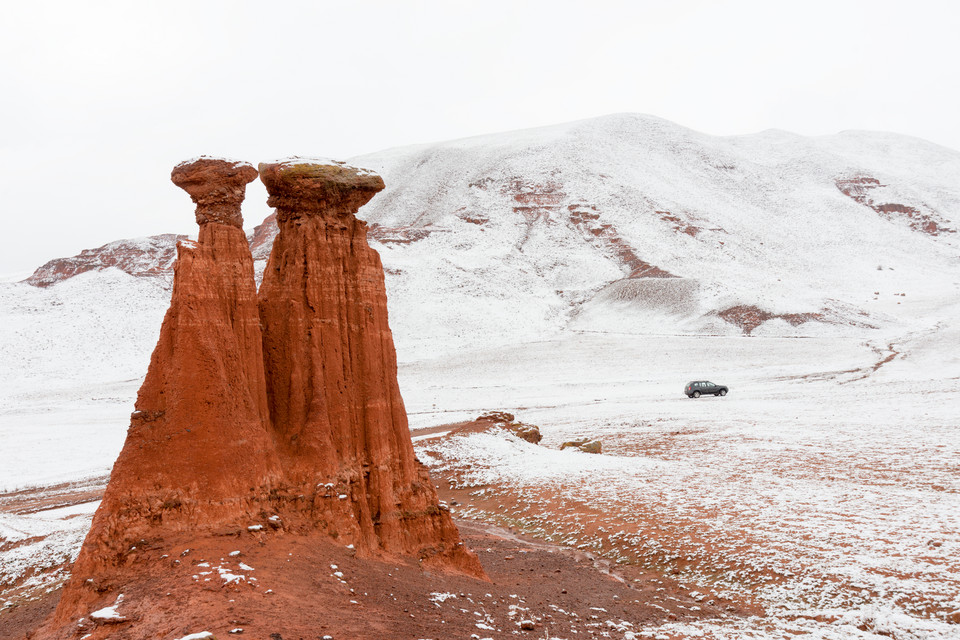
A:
[593,446]
[497,416]
[584,444]
[529,432]
[574,443]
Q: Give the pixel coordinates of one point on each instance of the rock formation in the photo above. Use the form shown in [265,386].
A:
[331,370]
[283,410]
[198,451]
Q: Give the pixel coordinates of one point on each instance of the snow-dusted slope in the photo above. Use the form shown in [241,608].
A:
[529,232]
[73,357]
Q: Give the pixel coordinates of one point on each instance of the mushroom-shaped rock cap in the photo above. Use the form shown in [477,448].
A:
[309,186]
[216,185]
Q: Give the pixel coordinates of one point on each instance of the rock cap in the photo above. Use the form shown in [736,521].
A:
[311,186]
[216,185]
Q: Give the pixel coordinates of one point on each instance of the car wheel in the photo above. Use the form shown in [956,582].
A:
[696,394]
[723,392]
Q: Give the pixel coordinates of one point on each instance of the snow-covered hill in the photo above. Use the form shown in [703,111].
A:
[631,223]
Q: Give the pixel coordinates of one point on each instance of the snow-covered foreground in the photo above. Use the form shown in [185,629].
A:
[820,488]
[824,488]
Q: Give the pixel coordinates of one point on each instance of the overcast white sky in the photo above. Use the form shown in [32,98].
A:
[98,100]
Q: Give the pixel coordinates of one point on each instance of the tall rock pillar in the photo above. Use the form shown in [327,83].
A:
[331,371]
[198,452]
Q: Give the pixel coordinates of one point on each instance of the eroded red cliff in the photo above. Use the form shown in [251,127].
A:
[331,371]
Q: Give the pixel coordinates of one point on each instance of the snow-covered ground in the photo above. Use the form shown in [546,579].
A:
[823,490]
[74,356]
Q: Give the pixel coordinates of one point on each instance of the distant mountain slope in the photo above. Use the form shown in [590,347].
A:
[632,223]
[150,256]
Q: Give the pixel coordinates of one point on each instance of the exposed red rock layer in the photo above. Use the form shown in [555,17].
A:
[543,202]
[283,411]
[862,189]
[749,317]
[332,371]
[261,240]
[149,257]
[139,257]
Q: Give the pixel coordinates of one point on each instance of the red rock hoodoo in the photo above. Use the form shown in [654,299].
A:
[282,409]
[331,371]
[198,451]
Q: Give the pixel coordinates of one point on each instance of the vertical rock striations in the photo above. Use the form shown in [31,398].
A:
[198,452]
[331,371]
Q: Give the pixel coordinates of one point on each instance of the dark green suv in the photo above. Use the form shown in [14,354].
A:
[702,387]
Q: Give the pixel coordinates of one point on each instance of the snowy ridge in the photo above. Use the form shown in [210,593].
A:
[142,257]
[532,225]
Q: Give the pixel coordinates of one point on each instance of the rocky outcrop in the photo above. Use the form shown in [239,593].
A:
[331,371]
[261,239]
[502,419]
[748,317]
[198,451]
[217,186]
[273,415]
[139,257]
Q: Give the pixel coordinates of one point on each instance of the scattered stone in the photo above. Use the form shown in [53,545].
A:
[528,432]
[574,443]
